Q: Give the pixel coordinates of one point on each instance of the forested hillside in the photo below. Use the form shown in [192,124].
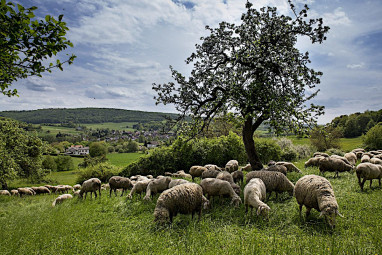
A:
[356,124]
[84,115]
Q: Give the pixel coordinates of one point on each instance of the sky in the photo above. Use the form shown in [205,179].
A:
[124,46]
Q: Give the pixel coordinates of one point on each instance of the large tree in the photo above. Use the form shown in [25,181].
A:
[27,44]
[253,69]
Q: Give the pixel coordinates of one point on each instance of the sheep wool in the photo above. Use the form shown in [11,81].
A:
[5,192]
[91,185]
[157,186]
[210,174]
[139,187]
[336,165]
[232,166]
[226,176]
[368,171]
[313,191]
[274,181]
[119,182]
[177,182]
[277,168]
[216,187]
[290,166]
[185,199]
[254,195]
[197,171]
[61,199]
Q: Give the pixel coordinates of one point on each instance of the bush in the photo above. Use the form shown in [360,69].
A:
[49,163]
[97,149]
[267,150]
[289,154]
[373,138]
[335,151]
[102,171]
[64,163]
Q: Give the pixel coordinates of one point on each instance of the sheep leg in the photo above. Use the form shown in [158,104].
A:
[370,183]
[111,190]
[246,208]
[95,194]
[363,183]
[307,212]
[379,182]
[200,213]
[123,190]
[300,207]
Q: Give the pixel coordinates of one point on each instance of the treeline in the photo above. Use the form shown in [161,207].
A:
[357,124]
[84,115]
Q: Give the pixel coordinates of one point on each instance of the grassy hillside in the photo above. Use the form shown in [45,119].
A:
[119,226]
[84,115]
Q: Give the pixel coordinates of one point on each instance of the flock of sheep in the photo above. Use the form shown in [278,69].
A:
[186,197]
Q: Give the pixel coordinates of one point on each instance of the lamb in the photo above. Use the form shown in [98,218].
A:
[238,176]
[25,191]
[119,182]
[216,187]
[315,161]
[254,195]
[368,171]
[77,187]
[185,199]
[61,199]
[139,187]
[232,166]
[277,168]
[5,192]
[336,165]
[197,171]
[290,166]
[274,181]
[91,185]
[351,157]
[157,186]
[316,192]
[210,174]
[176,182]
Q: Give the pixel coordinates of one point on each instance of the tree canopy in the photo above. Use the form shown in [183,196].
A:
[27,43]
[254,70]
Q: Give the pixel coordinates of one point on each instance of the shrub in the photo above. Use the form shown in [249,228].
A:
[102,171]
[303,151]
[267,150]
[335,151]
[289,154]
[49,163]
[373,138]
[64,163]
[97,149]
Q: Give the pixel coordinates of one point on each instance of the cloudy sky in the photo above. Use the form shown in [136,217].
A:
[123,46]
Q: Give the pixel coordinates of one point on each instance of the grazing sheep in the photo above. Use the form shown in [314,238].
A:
[77,187]
[365,158]
[376,161]
[139,187]
[226,176]
[157,186]
[277,168]
[247,168]
[52,189]
[238,176]
[342,158]
[210,174]
[76,193]
[14,192]
[236,188]
[315,191]
[176,182]
[5,192]
[322,154]
[232,166]
[185,199]
[167,173]
[274,181]
[119,182]
[351,157]
[290,166]
[197,171]
[216,187]
[254,195]
[182,174]
[41,190]
[213,167]
[315,161]
[368,171]
[91,185]
[25,191]
[336,165]
[61,199]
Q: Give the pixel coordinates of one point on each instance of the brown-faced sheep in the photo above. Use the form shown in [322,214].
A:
[290,166]
[197,171]
[274,181]
[157,186]
[139,187]
[119,182]
[315,191]
[232,166]
[61,199]
[185,199]
[91,185]
[238,176]
[336,165]
[254,195]
[368,171]
[216,187]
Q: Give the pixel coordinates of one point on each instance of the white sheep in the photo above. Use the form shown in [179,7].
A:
[213,167]
[216,187]
[368,171]
[182,174]
[254,195]
[290,166]
[185,199]
[14,192]
[157,186]
[197,171]
[211,173]
[232,166]
[365,158]
[61,199]
[77,187]
[376,161]
[238,176]
[351,157]
[315,161]
[119,182]
[5,192]
[91,185]
[139,187]
[25,191]
[226,176]
[177,182]
[316,192]
[336,165]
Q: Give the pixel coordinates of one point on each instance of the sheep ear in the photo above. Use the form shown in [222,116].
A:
[338,213]
[259,210]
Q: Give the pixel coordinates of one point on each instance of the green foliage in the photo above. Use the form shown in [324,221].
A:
[98,149]
[26,43]
[290,151]
[64,163]
[373,138]
[102,171]
[20,152]
[91,161]
[267,149]
[325,137]
[335,151]
[49,163]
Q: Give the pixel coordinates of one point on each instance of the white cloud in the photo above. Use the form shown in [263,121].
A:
[356,66]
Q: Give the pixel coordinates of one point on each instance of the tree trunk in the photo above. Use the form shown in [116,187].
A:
[4,185]
[249,143]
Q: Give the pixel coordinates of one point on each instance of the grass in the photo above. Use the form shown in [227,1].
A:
[123,159]
[119,226]
[54,130]
[112,125]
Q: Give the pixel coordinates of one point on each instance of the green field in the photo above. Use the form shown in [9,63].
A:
[112,126]
[54,130]
[123,159]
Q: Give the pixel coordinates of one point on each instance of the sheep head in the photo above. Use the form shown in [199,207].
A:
[161,215]
[263,210]
[330,214]
[236,201]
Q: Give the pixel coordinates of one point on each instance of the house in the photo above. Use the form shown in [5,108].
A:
[153,144]
[77,150]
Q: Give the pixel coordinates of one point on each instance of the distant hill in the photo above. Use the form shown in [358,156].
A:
[84,115]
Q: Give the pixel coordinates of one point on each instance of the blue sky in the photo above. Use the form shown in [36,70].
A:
[123,46]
